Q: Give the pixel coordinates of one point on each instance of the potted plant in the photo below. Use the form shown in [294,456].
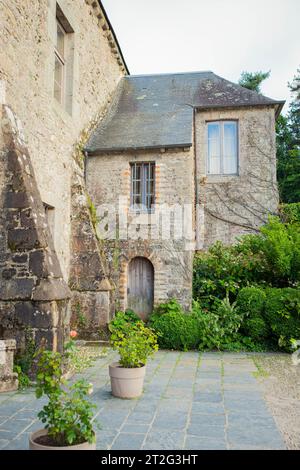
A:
[68,414]
[134,343]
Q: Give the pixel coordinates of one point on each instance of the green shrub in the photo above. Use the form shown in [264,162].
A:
[250,304]
[270,258]
[251,301]
[282,312]
[23,379]
[24,361]
[281,248]
[256,328]
[197,329]
[208,328]
[133,341]
[176,330]
[121,319]
[223,270]
[172,306]
[228,317]
[68,414]
[290,213]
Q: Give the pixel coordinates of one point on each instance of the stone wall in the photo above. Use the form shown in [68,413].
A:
[147,235]
[232,205]
[53,136]
[27,73]
[33,293]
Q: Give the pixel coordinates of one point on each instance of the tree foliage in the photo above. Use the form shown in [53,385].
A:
[253,80]
[288,147]
[287,136]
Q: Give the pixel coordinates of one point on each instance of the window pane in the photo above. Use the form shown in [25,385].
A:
[58,80]
[60,38]
[137,187]
[152,171]
[214,146]
[137,172]
[230,148]
[137,200]
[142,185]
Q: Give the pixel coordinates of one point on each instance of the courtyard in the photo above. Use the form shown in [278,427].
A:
[191,401]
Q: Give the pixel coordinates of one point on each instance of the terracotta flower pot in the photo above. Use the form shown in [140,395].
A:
[33,445]
[126,383]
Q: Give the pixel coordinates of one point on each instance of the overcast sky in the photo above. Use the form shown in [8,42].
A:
[225,36]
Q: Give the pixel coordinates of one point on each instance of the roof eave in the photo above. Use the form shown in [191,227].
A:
[278,105]
[94,153]
[114,35]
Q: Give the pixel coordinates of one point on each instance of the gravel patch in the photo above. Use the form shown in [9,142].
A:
[280,379]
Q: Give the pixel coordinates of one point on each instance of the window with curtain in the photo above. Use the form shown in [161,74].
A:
[222,147]
[142,186]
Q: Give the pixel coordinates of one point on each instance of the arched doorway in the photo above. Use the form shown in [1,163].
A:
[140,290]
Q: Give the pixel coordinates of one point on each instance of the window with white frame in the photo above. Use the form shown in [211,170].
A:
[222,148]
[59,70]
[142,186]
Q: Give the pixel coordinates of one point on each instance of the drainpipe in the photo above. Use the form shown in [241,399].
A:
[195,177]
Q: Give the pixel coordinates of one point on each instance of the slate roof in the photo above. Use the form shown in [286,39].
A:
[156,111]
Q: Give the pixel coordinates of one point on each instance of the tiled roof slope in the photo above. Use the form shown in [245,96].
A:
[155,111]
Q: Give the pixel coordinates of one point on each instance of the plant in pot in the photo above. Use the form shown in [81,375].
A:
[134,343]
[68,414]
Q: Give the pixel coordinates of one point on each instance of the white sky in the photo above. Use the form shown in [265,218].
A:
[225,36]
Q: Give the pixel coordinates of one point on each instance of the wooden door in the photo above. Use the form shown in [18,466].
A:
[140,291]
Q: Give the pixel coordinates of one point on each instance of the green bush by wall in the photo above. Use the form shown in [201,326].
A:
[250,305]
[282,313]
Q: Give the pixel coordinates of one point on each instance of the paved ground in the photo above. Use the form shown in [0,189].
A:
[191,401]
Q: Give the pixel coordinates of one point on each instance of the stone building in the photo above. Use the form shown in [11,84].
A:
[60,63]
[179,162]
[110,182]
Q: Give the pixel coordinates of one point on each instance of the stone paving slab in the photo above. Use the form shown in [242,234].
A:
[191,401]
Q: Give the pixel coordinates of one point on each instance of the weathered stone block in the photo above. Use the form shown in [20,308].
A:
[8,273]
[90,313]
[27,220]
[16,200]
[8,379]
[20,258]
[23,239]
[51,289]
[18,288]
[37,263]
[33,315]
[43,264]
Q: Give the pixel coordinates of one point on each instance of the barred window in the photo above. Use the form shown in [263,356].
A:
[142,186]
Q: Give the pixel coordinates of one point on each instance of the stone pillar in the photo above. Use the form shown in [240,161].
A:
[91,290]
[8,378]
[33,293]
